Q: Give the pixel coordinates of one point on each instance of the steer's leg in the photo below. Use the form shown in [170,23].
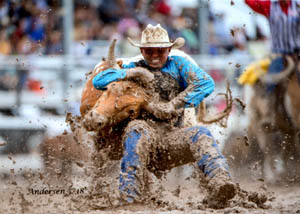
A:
[138,139]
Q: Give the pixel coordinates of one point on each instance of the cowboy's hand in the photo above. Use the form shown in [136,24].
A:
[139,74]
[161,110]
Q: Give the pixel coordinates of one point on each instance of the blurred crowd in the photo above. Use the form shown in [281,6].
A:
[36,26]
[28,27]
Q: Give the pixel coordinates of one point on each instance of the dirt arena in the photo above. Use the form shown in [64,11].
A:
[26,191]
[24,188]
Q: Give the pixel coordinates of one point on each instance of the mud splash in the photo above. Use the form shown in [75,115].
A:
[164,151]
[166,189]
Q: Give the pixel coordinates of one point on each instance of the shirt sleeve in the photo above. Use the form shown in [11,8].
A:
[260,6]
[190,74]
[105,77]
[101,80]
[130,65]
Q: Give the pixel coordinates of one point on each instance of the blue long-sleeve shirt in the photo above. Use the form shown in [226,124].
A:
[178,67]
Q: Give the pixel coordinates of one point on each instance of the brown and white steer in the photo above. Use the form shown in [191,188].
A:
[121,100]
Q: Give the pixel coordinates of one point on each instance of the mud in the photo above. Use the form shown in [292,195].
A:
[179,190]
[176,191]
[157,194]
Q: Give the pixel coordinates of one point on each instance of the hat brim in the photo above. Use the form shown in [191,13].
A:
[178,43]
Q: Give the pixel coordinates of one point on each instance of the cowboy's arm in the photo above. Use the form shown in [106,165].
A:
[101,80]
[260,6]
[104,78]
[197,83]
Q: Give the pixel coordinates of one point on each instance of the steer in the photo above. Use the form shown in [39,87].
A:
[274,119]
[121,100]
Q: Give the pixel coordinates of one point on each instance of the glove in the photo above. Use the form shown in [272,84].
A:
[167,110]
[160,110]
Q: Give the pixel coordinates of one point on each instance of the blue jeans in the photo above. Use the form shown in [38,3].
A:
[143,149]
[276,66]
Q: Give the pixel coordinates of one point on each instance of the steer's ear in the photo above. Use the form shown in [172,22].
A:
[120,63]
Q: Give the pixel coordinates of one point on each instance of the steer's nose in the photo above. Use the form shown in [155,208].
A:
[87,124]
[95,121]
[100,121]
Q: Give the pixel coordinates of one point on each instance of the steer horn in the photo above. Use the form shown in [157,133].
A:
[111,59]
[276,78]
[143,75]
[204,118]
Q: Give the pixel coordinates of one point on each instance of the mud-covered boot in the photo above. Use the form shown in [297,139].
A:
[221,189]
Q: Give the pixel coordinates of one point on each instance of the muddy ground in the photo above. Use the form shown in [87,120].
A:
[25,191]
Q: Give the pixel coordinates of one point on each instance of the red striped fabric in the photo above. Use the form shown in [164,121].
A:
[285,28]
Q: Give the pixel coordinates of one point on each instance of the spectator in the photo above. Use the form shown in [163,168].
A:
[55,45]
[5,46]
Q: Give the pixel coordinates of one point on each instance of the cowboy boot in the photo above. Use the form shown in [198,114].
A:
[221,189]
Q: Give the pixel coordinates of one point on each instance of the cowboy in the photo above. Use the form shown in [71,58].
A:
[157,141]
[283,17]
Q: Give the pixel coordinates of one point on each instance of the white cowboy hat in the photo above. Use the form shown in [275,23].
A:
[157,37]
